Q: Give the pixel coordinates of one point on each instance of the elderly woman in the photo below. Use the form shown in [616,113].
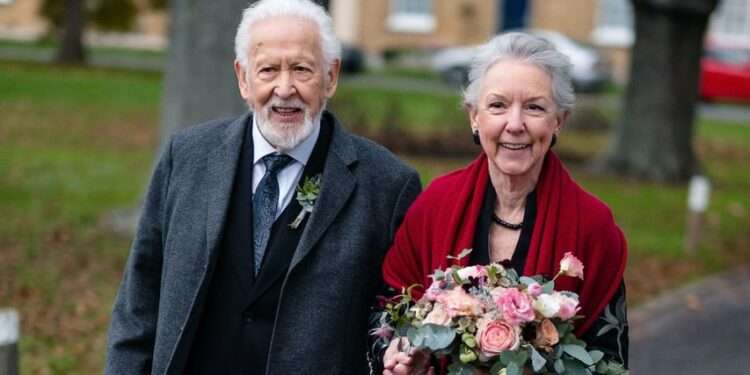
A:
[516,203]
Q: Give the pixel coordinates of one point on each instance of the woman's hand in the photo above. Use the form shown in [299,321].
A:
[401,359]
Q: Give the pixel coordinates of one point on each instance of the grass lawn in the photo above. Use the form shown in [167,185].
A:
[74,145]
[50,47]
[77,144]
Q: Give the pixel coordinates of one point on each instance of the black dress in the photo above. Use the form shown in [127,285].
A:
[609,333]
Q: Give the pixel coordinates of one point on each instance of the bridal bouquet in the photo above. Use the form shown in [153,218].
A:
[487,318]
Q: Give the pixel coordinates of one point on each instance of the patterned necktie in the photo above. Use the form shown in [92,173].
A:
[265,202]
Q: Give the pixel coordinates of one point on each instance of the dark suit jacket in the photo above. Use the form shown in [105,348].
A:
[331,279]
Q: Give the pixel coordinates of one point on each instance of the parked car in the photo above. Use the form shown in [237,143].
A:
[725,74]
[590,70]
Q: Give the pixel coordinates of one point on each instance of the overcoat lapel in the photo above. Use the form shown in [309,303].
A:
[220,165]
[222,168]
[337,185]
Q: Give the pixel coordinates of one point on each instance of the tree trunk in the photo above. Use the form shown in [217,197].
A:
[653,139]
[71,47]
[200,83]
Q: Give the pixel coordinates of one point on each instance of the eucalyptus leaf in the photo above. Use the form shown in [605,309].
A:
[548,287]
[525,280]
[563,328]
[537,361]
[620,309]
[464,253]
[605,329]
[520,358]
[513,369]
[506,357]
[557,352]
[571,339]
[573,367]
[403,331]
[436,337]
[596,355]
[616,368]
[497,367]
[609,317]
[416,336]
[458,368]
[559,366]
[578,353]
[512,275]
[438,275]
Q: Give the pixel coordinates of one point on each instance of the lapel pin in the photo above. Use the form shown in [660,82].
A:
[307,195]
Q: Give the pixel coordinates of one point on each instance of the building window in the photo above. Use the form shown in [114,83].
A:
[614,26]
[730,24]
[411,16]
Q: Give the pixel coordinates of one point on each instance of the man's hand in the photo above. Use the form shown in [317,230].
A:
[401,359]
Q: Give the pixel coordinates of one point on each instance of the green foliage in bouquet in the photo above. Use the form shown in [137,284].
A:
[489,318]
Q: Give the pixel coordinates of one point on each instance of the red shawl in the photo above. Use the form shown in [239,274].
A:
[442,221]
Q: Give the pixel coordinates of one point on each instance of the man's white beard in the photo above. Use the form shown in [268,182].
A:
[286,136]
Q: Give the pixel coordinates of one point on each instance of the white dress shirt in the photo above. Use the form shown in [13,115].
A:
[288,177]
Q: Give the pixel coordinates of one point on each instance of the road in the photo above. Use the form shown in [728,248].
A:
[703,328]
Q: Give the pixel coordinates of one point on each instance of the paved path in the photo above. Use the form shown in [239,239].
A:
[703,328]
[736,113]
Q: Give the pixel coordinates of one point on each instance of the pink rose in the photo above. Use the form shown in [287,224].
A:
[438,315]
[495,337]
[534,289]
[516,306]
[497,292]
[459,303]
[571,266]
[568,307]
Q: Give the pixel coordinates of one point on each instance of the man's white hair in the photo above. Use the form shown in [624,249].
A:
[265,9]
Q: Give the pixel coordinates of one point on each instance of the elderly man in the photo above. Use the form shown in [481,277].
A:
[261,241]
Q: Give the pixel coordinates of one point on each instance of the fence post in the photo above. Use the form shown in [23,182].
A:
[699,193]
[9,335]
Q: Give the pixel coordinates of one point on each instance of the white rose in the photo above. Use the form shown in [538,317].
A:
[472,271]
[438,316]
[547,305]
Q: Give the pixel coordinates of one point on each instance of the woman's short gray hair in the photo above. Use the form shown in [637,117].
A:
[306,9]
[526,48]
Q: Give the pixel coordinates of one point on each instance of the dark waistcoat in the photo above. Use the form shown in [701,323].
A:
[234,330]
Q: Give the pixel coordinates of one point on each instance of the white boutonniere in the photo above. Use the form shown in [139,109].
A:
[307,195]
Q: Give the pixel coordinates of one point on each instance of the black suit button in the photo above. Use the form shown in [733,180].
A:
[249,317]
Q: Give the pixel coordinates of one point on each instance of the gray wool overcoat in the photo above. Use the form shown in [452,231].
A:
[333,276]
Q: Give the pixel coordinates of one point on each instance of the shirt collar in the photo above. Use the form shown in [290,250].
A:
[301,153]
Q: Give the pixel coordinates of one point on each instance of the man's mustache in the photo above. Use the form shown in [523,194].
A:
[278,102]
